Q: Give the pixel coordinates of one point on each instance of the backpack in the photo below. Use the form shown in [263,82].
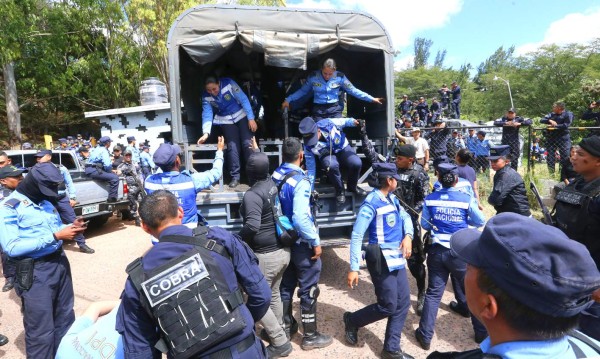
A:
[286,233]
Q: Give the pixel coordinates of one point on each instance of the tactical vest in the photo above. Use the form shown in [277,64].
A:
[189,299]
[406,186]
[286,195]
[571,215]
[449,214]
[225,105]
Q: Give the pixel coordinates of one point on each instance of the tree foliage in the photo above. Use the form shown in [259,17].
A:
[422,48]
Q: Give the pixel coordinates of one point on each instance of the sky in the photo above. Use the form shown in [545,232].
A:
[471,30]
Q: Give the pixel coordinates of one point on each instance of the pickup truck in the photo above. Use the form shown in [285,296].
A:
[91,195]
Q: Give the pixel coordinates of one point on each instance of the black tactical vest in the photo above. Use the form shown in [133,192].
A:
[189,299]
[571,214]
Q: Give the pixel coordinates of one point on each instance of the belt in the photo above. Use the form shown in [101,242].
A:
[241,347]
[48,257]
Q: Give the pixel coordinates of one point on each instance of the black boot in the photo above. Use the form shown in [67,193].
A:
[137,222]
[312,338]
[420,302]
[289,322]
[3,340]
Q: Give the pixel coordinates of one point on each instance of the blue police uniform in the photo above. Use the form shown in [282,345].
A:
[230,110]
[558,137]
[139,331]
[334,151]
[326,94]
[462,185]
[66,212]
[146,163]
[99,167]
[184,185]
[423,111]
[510,136]
[446,211]
[444,96]
[405,107]
[438,142]
[481,151]
[557,348]
[27,231]
[435,111]
[387,223]
[456,98]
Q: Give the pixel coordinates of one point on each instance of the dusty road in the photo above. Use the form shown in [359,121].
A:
[101,276]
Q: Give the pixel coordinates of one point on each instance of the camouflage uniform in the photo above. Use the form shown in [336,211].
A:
[134,185]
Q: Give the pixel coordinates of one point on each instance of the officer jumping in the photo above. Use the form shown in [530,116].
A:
[99,167]
[195,277]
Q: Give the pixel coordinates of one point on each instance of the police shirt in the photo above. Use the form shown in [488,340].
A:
[70,187]
[563,121]
[510,134]
[532,349]
[146,160]
[229,106]
[508,194]
[99,154]
[27,229]
[327,92]
[138,329]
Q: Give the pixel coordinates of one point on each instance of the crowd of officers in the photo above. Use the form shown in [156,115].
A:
[524,284]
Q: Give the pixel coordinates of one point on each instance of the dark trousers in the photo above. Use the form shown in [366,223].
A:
[348,159]
[589,321]
[441,263]
[393,300]
[563,145]
[146,171]
[8,267]
[456,108]
[101,175]
[332,110]
[515,151]
[132,197]
[481,163]
[67,216]
[47,306]
[238,138]
[302,272]
[416,262]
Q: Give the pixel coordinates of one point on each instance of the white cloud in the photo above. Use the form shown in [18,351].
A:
[573,28]
[400,18]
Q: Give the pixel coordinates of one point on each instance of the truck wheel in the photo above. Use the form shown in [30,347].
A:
[99,221]
[126,214]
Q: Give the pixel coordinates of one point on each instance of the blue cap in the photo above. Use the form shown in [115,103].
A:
[104,139]
[10,171]
[537,264]
[440,159]
[69,137]
[83,149]
[48,178]
[86,142]
[165,155]
[499,151]
[385,169]
[446,167]
[26,146]
[481,132]
[42,153]
[62,140]
[308,129]
[145,147]
[130,138]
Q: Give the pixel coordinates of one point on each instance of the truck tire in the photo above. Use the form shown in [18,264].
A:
[98,221]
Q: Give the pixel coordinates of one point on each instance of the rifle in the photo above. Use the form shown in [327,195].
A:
[547,217]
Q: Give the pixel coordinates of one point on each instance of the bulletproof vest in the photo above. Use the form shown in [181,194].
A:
[189,299]
[571,214]
[406,186]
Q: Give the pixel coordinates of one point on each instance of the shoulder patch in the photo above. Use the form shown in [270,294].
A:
[12,202]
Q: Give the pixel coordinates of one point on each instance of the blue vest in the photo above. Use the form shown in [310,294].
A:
[449,214]
[286,195]
[182,186]
[225,106]
[335,138]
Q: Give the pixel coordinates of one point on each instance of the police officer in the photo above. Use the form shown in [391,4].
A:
[82,155]
[528,283]
[117,157]
[326,141]
[32,233]
[62,144]
[444,96]
[10,177]
[589,114]
[438,139]
[183,183]
[435,111]
[146,162]
[508,194]
[305,262]
[412,189]
[558,136]
[405,106]
[390,244]
[99,167]
[456,98]
[135,151]
[27,146]
[210,264]
[577,213]
[134,184]
[226,105]
[326,86]
[445,212]
[510,124]
[481,151]
[67,198]
[423,110]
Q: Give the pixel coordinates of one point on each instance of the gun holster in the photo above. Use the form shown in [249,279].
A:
[374,259]
[24,275]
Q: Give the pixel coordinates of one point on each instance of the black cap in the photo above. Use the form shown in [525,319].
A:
[48,178]
[591,145]
[440,159]
[10,171]
[481,132]
[446,168]
[130,138]
[511,110]
[499,151]
[405,151]
[42,153]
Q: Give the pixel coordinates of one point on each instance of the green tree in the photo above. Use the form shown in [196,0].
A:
[422,49]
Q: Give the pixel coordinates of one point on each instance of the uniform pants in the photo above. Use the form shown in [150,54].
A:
[515,152]
[393,300]
[589,321]
[8,267]
[273,265]
[302,272]
[563,145]
[238,137]
[47,306]
[67,216]
[456,108]
[146,171]
[347,158]
[332,110]
[416,262]
[441,263]
[101,175]
[132,197]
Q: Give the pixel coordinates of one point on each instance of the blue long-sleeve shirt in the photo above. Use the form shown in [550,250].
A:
[510,134]
[365,216]
[481,148]
[146,160]
[327,92]
[70,191]
[229,106]
[27,229]
[563,121]
[100,155]
[475,218]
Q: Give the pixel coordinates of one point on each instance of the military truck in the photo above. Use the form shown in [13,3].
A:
[269,51]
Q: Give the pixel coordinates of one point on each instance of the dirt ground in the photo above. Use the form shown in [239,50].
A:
[101,276]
